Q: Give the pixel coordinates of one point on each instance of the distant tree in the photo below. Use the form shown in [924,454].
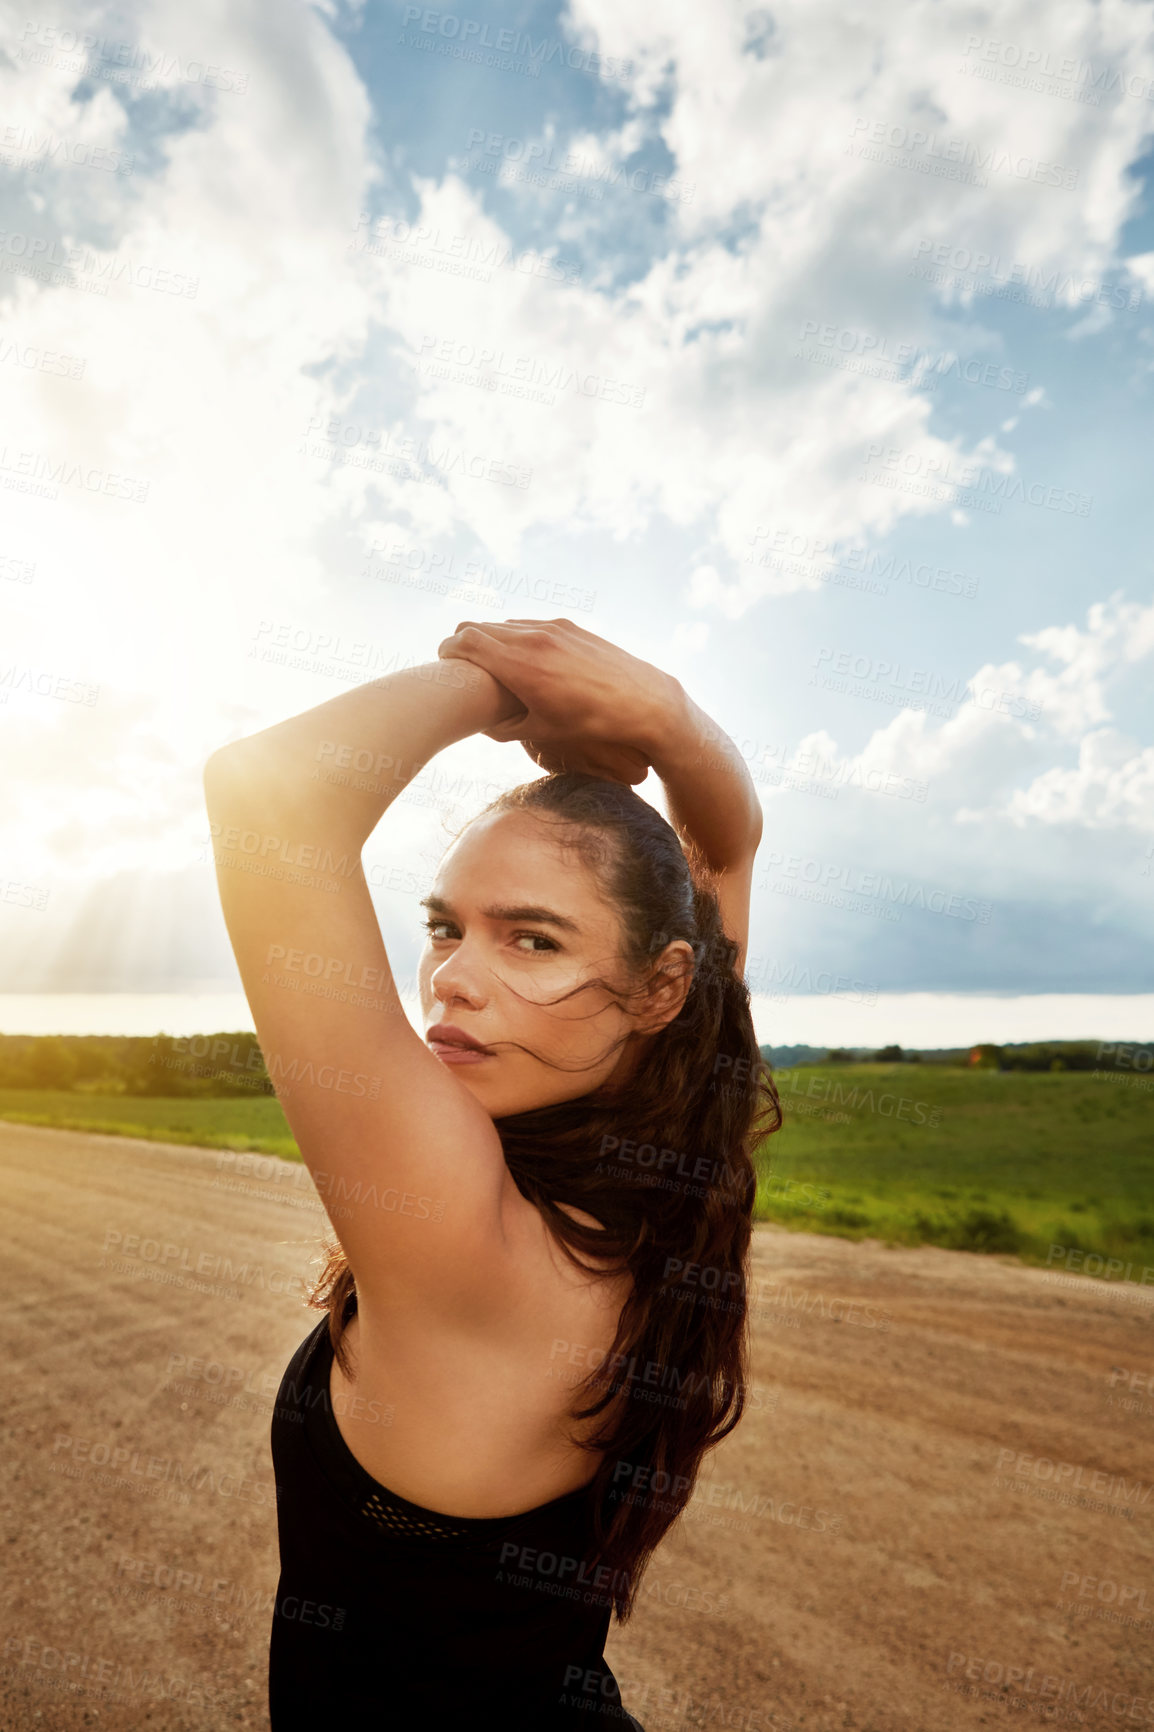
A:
[889,1055]
[839,1055]
[1054,1055]
[51,1064]
[987,1057]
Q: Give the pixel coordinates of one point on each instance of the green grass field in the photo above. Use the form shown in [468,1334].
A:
[978,1160]
[975,1160]
[257,1124]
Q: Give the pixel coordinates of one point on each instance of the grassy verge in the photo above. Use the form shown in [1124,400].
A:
[256,1124]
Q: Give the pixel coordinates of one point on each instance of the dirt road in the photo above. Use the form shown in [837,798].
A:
[939,1512]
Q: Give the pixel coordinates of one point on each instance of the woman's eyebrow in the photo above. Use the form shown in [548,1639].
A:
[507,911]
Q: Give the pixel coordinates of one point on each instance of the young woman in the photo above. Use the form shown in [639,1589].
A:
[535,1319]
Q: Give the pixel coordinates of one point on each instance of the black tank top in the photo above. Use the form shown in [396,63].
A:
[391,1615]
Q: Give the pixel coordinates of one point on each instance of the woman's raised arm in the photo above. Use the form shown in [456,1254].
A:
[405,1159]
[339,765]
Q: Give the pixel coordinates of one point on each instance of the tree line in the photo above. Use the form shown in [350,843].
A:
[212,1065]
[216,1065]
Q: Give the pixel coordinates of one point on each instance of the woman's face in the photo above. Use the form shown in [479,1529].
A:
[515,924]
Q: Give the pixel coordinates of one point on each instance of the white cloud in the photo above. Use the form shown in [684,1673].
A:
[1112,787]
[991,762]
[738,429]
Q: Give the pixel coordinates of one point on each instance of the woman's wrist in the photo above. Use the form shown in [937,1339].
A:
[485,701]
[682,734]
[708,787]
[668,724]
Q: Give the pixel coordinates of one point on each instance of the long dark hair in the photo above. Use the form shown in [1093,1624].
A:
[665,1165]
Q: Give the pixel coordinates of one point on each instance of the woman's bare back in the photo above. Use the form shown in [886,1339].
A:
[475,1422]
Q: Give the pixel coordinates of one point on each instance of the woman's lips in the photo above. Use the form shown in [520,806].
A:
[452,1053]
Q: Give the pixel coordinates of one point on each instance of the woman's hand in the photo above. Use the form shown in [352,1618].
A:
[588,705]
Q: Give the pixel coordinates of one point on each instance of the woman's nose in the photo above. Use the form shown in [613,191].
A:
[456,978]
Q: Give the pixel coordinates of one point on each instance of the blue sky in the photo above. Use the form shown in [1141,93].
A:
[805,352]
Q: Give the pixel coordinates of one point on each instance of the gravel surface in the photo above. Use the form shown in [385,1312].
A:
[939,1511]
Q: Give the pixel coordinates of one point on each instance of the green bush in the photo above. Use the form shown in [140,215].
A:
[977,1230]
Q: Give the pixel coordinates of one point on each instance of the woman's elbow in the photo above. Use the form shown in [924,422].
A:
[227,775]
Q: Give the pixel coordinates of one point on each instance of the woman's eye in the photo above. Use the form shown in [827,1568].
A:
[537,938]
[539,943]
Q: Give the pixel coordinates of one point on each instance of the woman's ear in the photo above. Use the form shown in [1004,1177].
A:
[669,982]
